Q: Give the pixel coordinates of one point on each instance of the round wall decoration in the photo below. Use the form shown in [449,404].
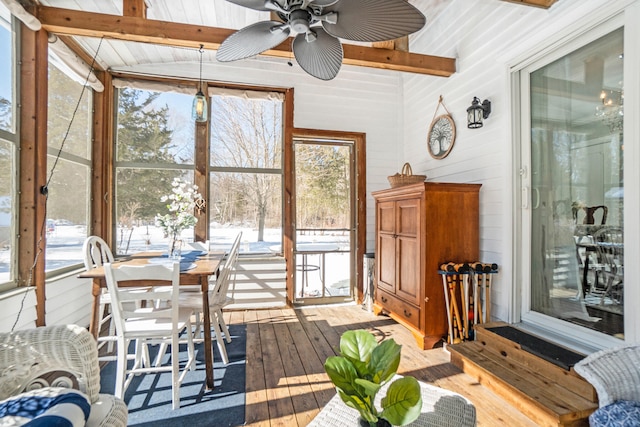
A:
[441,135]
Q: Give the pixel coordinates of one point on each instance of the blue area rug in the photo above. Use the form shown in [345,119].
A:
[148,397]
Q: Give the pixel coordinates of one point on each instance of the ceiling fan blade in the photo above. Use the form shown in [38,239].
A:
[251,41]
[323,3]
[321,57]
[251,4]
[374,20]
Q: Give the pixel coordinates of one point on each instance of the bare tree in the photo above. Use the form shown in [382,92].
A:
[247,136]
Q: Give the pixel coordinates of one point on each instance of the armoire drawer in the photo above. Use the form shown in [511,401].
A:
[399,308]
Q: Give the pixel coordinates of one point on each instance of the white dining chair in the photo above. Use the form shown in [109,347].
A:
[96,253]
[218,298]
[158,323]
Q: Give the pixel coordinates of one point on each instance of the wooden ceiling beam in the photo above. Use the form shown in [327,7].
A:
[131,28]
[136,8]
[545,4]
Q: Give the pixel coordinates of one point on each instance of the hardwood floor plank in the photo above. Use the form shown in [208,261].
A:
[316,326]
[314,367]
[256,406]
[304,402]
[281,410]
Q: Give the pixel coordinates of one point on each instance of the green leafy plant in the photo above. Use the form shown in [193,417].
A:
[363,367]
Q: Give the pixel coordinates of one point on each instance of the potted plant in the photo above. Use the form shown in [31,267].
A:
[363,367]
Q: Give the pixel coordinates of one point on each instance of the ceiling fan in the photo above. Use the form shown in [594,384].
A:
[319,24]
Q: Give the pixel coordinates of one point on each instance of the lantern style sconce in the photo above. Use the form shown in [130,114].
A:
[199,108]
[477,112]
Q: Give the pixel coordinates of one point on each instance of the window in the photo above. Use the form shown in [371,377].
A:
[7,81]
[154,145]
[8,141]
[68,169]
[246,169]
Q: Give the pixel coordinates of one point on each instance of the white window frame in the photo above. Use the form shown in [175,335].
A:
[13,138]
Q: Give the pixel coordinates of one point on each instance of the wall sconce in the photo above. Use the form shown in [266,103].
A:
[477,112]
[199,108]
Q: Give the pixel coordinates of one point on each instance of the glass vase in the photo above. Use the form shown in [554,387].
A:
[175,247]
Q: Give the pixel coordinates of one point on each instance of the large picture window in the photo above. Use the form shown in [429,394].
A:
[8,141]
[246,169]
[7,66]
[68,169]
[155,144]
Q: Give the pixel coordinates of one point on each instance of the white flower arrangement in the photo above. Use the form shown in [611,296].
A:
[182,202]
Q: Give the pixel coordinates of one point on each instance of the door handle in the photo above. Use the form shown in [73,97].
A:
[535,205]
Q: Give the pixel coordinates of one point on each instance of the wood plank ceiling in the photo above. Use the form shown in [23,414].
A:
[143,32]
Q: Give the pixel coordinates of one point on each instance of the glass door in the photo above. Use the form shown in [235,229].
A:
[573,197]
[324,221]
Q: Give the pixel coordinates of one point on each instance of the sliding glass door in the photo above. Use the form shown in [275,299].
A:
[573,198]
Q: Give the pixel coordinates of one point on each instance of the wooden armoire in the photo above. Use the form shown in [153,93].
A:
[419,227]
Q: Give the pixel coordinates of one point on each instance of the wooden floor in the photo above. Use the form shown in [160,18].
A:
[286,384]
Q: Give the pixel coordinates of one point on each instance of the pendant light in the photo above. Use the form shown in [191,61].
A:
[199,109]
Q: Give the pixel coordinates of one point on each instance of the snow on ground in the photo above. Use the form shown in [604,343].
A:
[64,248]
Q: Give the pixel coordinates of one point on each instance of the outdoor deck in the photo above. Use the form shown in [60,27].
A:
[285,380]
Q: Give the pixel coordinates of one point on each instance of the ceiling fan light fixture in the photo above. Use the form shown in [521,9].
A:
[299,20]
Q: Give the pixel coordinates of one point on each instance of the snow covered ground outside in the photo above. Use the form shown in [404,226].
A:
[64,248]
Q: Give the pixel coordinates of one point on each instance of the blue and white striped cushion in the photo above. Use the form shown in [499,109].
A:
[49,406]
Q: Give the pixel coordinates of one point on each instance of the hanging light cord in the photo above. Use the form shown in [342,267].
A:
[44,190]
[201,50]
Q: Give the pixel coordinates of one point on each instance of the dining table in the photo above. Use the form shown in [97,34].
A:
[196,271]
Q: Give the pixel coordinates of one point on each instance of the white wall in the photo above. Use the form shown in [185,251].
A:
[486,37]
[18,310]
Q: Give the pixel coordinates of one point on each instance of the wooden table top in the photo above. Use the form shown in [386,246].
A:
[206,264]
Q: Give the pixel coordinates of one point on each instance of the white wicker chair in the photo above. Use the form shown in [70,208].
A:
[614,373]
[29,359]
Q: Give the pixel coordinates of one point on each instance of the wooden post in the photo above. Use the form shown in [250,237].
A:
[33,157]
[201,177]
[102,179]
[288,209]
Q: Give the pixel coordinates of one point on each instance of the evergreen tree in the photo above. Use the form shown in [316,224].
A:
[143,137]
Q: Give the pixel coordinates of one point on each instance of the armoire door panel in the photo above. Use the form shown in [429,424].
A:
[408,217]
[386,264]
[386,217]
[408,286]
